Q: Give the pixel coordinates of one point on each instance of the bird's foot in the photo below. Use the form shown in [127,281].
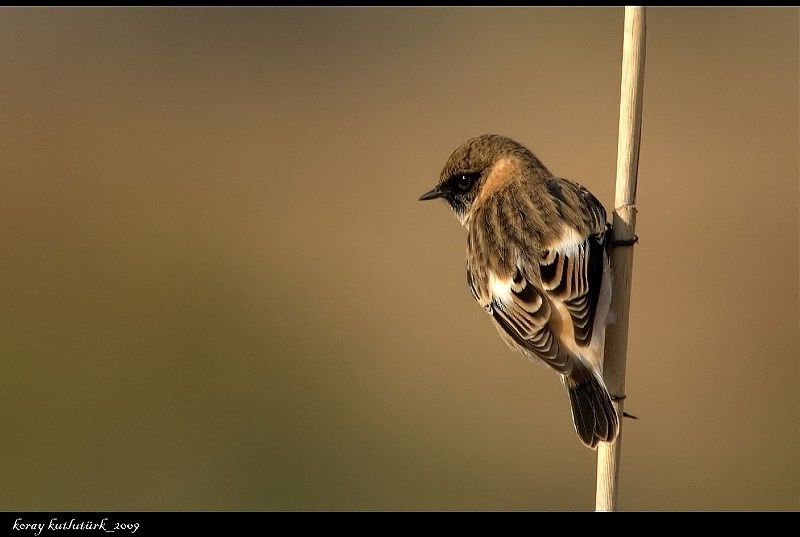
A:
[616,398]
[625,242]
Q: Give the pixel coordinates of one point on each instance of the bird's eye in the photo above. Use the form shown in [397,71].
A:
[465,181]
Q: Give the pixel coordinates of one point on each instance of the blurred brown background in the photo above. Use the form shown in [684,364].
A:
[220,292]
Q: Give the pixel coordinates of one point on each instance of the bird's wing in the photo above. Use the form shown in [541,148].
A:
[521,310]
[569,273]
[572,268]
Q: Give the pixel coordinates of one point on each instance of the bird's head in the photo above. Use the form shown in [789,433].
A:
[479,167]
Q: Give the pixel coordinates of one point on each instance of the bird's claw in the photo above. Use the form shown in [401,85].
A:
[616,398]
[625,242]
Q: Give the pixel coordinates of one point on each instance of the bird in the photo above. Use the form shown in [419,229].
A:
[538,263]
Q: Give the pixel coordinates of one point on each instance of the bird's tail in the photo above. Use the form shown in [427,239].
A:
[593,413]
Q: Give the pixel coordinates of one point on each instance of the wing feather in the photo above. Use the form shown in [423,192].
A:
[522,293]
[576,279]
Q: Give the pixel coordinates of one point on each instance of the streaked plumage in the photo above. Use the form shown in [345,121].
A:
[537,263]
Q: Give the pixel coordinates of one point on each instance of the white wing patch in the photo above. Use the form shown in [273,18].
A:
[500,288]
[568,242]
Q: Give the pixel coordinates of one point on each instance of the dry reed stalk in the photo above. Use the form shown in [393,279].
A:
[624,224]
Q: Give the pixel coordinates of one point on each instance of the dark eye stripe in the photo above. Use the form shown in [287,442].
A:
[463,182]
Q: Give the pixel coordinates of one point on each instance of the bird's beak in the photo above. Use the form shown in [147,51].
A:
[431,194]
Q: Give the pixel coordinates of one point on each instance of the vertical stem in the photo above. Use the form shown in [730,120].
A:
[624,224]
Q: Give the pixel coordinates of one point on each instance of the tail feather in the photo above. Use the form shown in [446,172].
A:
[593,413]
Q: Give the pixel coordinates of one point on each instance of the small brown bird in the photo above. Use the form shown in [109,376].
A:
[537,263]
